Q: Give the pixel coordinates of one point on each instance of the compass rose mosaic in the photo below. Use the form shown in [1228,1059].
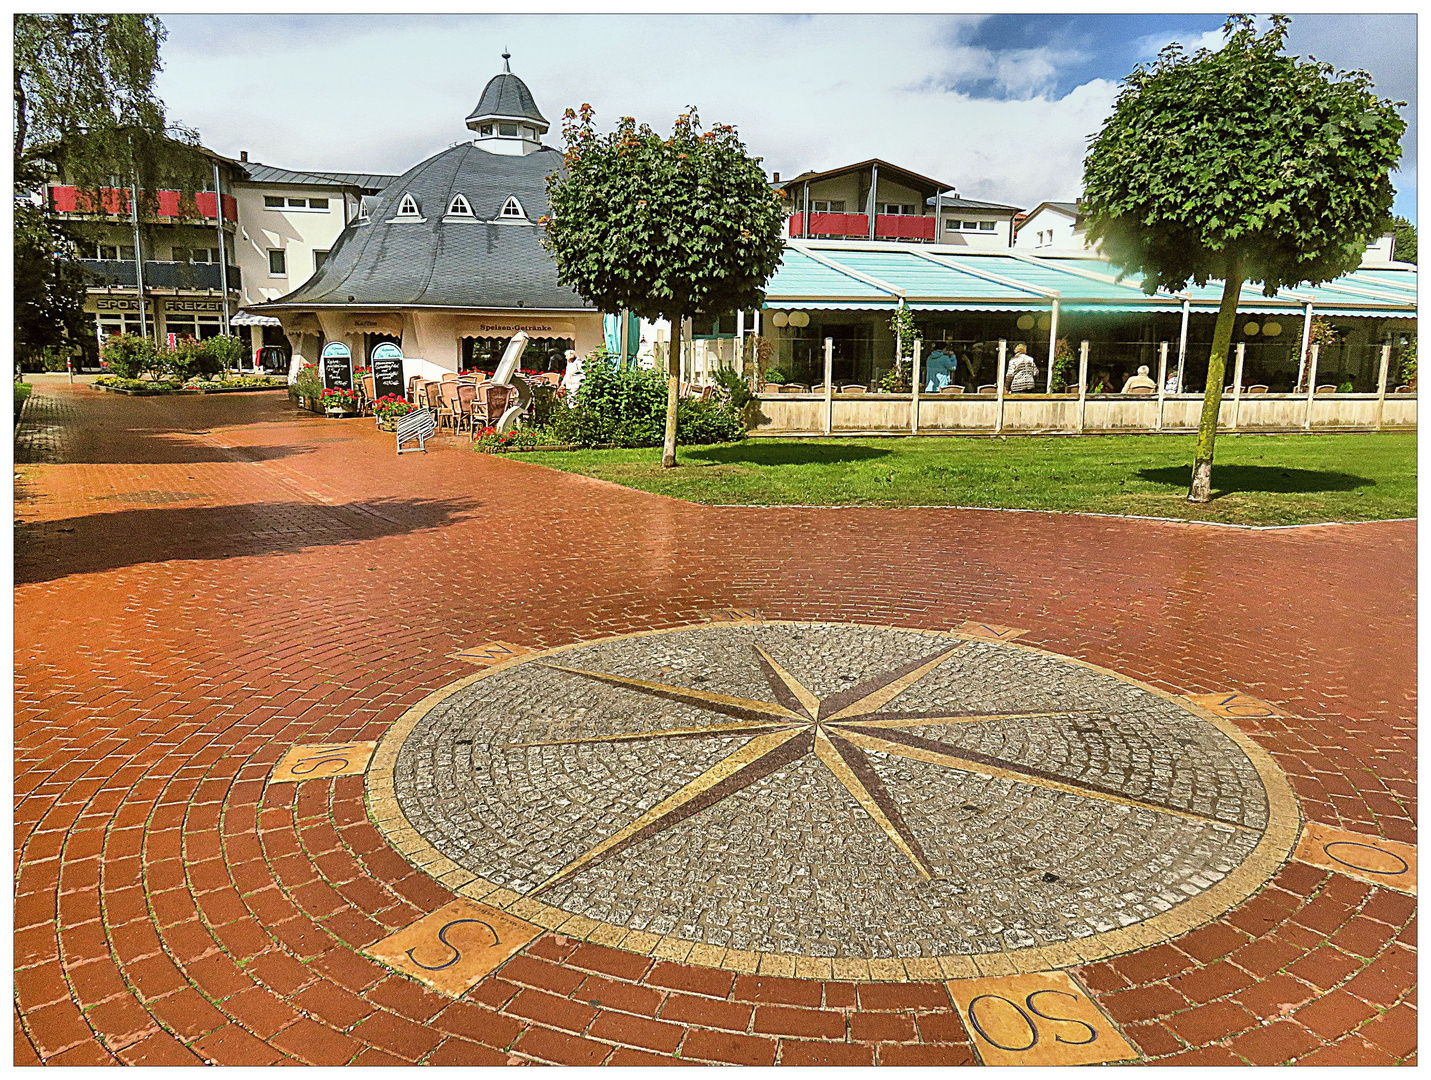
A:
[833,792]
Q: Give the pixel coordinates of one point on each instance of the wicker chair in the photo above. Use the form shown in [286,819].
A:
[854,388]
[413,383]
[988,388]
[1404,390]
[1141,391]
[1327,388]
[433,392]
[451,406]
[1257,388]
[794,388]
[770,387]
[466,404]
[951,389]
[489,403]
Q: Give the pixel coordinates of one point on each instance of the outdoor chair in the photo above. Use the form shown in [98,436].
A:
[1143,391]
[490,403]
[412,385]
[951,389]
[433,391]
[466,404]
[820,389]
[369,392]
[551,378]
[1327,388]
[770,387]
[1403,390]
[854,388]
[1256,389]
[794,388]
[707,392]
[990,388]
[451,406]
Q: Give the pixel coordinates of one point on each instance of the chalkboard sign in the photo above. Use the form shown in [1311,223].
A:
[337,366]
[387,371]
[417,425]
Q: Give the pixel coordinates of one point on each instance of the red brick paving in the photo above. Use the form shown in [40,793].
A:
[202,583]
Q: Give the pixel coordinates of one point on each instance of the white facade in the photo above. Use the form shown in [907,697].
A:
[284,232]
[1052,228]
[1380,252]
[975,229]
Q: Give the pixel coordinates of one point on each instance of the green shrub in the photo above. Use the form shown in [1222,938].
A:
[734,388]
[129,356]
[546,400]
[628,409]
[188,359]
[226,352]
[307,383]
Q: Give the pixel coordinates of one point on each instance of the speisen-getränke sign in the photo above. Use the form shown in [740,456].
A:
[387,371]
[336,366]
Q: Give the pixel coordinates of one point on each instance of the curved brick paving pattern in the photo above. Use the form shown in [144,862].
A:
[203,584]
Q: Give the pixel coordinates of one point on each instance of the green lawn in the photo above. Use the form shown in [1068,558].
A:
[1257,479]
[22,391]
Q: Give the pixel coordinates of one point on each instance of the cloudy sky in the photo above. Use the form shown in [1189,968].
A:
[1000,107]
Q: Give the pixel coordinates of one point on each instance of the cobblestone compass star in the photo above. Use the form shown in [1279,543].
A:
[840,730]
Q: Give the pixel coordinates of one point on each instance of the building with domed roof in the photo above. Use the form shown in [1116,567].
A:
[447,260]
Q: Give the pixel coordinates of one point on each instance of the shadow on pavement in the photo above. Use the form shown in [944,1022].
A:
[47,550]
[755,453]
[1228,479]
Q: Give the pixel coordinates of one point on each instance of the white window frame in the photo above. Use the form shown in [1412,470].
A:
[280,251]
[466,207]
[520,215]
[408,208]
[827,206]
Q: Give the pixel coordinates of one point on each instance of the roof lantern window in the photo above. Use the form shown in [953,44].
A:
[460,207]
[506,119]
[512,208]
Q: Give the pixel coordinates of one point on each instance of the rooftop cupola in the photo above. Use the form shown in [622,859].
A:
[507,120]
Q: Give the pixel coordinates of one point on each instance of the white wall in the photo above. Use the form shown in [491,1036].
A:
[998,237]
[298,232]
[1064,236]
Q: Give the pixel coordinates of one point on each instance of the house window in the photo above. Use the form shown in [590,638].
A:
[512,208]
[971,225]
[277,262]
[319,258]
[460,207]
[828,206]
[318,204]
[107,252]
[529,133]
[986,226]
[407,207]
[908,209]
[181,255]
[950,225]
[509,130]
[273,202]
[486,129]
[298,204]
[126,252]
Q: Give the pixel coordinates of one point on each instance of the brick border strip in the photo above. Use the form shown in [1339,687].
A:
[1274,849]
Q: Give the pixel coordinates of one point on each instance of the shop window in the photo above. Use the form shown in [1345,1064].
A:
[277,262]
[273,202]
[512,208]
[459,207]
[407,208]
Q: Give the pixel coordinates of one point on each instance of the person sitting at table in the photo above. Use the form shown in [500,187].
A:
[940,369]
[1139,381]
[1021,370]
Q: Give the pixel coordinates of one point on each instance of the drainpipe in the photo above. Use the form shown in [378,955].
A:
[1183,344]
[805,217]
[999,388]
[223,252]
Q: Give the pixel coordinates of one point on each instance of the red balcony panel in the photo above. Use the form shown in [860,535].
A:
[904,227]
[855,225]
[70,200]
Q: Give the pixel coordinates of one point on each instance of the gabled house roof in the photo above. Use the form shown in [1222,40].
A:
[887,169]
[1069,209]
[366,183]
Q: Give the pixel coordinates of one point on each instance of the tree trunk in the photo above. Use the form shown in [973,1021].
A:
[1201,489]
[668,453]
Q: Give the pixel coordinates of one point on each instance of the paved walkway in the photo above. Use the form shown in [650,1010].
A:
[204,583]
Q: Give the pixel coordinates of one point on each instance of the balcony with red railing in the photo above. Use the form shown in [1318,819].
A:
[904,227]
[852,226]
[71,200]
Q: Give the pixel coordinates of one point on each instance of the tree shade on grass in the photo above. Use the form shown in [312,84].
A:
[666,228]
[1262,479]
[1243,164]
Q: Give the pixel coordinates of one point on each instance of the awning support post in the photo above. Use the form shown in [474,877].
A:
[1237,385]
[914,389]
[999,387]
[1306,339]
[1162,380]
[829,385]
[1381,384]
[1183,344]
[1312,358]
[1052,344]
[1082,384]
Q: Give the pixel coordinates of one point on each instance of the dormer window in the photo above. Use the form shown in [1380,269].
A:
[460,207]
[407,208]
[512,208]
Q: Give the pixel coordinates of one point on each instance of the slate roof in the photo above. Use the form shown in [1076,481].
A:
[441,261]
[955,202]
[507,96]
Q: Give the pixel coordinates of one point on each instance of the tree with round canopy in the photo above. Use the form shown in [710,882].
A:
[666,228]
[1243,164]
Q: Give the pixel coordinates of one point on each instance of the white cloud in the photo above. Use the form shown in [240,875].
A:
[806,92]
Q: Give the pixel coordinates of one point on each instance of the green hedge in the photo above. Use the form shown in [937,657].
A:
[628,409]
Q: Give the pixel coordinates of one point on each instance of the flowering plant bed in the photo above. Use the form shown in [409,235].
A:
[339,402]
[152,387]
[518,440]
